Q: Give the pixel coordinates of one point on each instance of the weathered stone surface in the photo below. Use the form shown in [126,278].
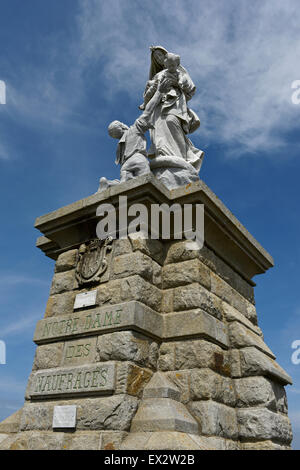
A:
[111,440]
[114,413]
[124,346]
[163,414]
[181,379]
[232,315]
[255,391]
[48,355]
[97,378]
[167,301]
[37,440]
[130,288]
[206,384]
[161,387]
[241,337]
[164,440]
[131,379]
[11,424]
[122,246]
[186,272]
[64,281]
[219,443]
[89,440]
[181,251]
[66,261]
[132,264]
[250,312]
[220,288]
[105,413]
[281,398]
[215,419]
[193,354]
[235,363]
[200,353]
[194,296]
[36,416]
[166,358]
[263,424]
[262,445]
[260,391]
[153,355]
[156,274]
[3,437]
[195,323]
[60,304]
[254,362]
[80,351]
[222,269]
[152,248]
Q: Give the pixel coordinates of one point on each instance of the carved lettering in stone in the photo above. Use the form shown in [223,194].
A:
[65,326]
[79,352]
[77,380]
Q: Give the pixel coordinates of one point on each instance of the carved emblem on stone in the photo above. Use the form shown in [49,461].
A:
[92,261]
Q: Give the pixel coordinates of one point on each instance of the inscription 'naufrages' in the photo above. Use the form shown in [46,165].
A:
[71,381]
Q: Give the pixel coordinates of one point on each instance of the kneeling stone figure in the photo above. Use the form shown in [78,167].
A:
[132,147]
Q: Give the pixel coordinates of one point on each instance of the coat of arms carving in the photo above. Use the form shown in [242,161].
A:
[92,260]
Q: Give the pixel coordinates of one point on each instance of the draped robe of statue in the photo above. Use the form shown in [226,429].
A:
[172,120]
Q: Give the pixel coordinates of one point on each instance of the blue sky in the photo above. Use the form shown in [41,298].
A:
[72,66]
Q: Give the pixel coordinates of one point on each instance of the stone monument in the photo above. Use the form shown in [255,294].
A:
[152,343]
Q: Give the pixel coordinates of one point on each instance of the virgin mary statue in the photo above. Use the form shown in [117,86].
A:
[172,120]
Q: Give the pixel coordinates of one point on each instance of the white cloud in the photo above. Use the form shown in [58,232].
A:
[12,280]
[8,384]
[243,57]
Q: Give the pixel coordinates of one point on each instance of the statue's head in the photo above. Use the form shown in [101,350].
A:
[172,61]
[116,129]
[158,54]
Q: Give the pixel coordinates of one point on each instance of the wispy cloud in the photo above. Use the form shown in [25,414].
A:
[243,56]
[19,325]
[4,154]
[12,280]
[9,384]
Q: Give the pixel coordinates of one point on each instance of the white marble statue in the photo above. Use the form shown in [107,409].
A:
[172,120]
[173,158]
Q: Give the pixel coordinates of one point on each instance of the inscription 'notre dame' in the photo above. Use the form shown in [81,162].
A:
[77,325]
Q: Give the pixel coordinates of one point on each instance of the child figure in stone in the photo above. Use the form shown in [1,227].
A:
[176,76]
[132,147]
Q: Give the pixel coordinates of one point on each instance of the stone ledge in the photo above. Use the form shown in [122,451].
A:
[263,424]
[136,316]
[71,225]
[254,362]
